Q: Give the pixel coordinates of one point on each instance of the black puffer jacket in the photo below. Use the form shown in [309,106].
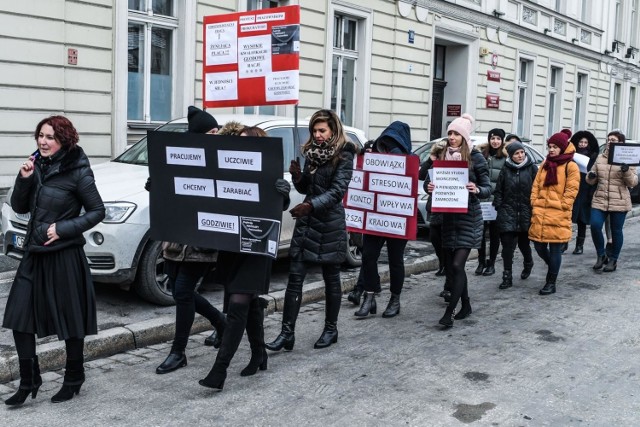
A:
[321,236]
[58,189]
[465,230]
[512,196]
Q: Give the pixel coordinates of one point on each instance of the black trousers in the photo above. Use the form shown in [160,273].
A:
[494,242]
[371,248]
[509,241]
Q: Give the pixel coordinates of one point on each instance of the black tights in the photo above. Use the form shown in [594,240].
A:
[456,260]
[26,346]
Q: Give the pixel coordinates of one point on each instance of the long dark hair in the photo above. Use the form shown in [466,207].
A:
[339,139]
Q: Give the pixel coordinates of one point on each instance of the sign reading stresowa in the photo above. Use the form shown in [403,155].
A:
[381,198]
[215,191]
[251,58]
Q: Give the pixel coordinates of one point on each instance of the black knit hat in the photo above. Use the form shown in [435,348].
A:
[497,132]
[200,121]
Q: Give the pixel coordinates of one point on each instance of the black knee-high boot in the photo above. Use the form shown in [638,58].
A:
[236,324]
[73,372]
[287,338]
[255,334]
[30,381]
[333,295]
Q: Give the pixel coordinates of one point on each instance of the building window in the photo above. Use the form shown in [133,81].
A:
[344,67]
[525,96]
[530,16]
[631,117]
[581,102]
[439,62]
[616,106]
[584,11]
[555,99]
[261,4]
[152,26]
[558,5]
[633,41]
[618,20]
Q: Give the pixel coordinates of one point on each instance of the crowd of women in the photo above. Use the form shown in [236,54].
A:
[53,294]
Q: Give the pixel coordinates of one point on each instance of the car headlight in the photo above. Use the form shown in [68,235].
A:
[118,212]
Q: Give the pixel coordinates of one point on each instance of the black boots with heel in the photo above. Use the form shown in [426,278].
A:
[255,334]
[30,382]
[355,295]
[368,306]
[579,246]
[287,337]
[600,262]
[507,280]
[329,335]
[447,319]
[219,324]
[526,271]
[73,380]
[173,362]
[465,310]
[393,308]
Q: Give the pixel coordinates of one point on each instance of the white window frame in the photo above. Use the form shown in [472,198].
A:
[364,18]
[529,86]
[632,103]
[581,102]
[554,99]
[616,103]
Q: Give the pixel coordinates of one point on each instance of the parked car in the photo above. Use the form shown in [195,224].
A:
[119,250]
[423,153]
[635,191]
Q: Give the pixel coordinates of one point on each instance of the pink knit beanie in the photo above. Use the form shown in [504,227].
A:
[462,125]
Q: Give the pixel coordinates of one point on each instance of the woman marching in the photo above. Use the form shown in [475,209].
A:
[612,200]
[552,196]
[320,235]
[586,144]
[462,232]
[495,153]
[512,200]
[52,293]
[245,277]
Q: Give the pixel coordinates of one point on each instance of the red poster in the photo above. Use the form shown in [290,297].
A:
[493,101]
[381,199]
[251,58]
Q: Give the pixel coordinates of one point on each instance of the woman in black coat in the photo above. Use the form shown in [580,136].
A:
[462,232]
[587,145]
[320,235]
[52,293]
[512,200]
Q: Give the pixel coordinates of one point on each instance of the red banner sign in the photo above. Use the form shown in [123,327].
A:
[381,198]
[251,58]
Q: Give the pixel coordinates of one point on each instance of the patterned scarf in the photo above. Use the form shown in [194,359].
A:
[551,166]
[453,154]
[319,154]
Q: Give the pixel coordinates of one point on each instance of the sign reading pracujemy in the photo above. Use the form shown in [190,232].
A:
[251,58]
[207,190]
[381,198]
[450,194]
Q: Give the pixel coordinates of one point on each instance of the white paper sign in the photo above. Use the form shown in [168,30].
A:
[387,163]
[282,86]
[357,180]
[354,218]
[186,156]
[394,184]
[450,188]
[246,191]
[398,205]
[626,153]
[218,223]
[240,160]
[194,187]
[360,199]
[488,211]
[582,161]
[386,223]
[222,86]
[252,27]
[222,43]
[254,56]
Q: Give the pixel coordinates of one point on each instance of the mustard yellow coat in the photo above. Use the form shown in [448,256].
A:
[552,205]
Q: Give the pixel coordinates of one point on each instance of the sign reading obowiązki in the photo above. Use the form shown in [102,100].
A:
[381,198]
[251,58]
[450,194]
[207,189]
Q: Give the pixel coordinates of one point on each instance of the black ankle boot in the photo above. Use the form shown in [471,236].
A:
[255,334]
[30,382]
[368,306]
[507,280]
[73,380]
[489,270]
[329,335]
[465,311]
[219,324]
[579,246]
[287,338]
[355,295]
[447,319]
[611,266]
[526,271]
[214,379]
[480,269]
[441,271]
[600,261]
[393,308]
[550,287]
[173,362]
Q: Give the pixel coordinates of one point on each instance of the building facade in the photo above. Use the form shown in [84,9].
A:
[117,68]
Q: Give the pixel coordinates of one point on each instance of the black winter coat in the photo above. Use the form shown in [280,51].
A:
[321,236]
[465,230]
[512,197]
[582,206]
[58,189]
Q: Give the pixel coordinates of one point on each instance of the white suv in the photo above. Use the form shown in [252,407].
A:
[119,250]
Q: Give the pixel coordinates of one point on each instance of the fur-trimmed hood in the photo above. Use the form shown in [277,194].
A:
[231,128]
[485,147]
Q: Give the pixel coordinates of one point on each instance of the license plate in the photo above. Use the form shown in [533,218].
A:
[18,241]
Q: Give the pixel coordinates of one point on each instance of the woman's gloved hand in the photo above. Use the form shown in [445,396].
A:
[283,187]
[147,185]
[300,210]
[592,175]
[294,170]
[624,167]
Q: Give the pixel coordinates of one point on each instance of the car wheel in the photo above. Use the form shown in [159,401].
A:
[152,283]
[354,252]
